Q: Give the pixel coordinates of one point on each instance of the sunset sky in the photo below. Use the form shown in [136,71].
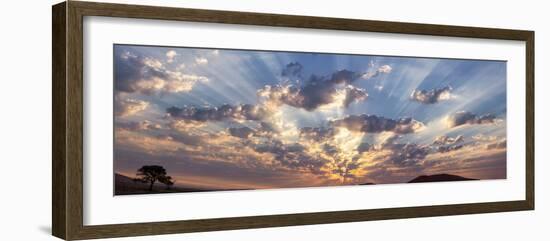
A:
[236,119]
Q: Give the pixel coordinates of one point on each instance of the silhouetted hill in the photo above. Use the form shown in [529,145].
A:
[439,178]
[126,186]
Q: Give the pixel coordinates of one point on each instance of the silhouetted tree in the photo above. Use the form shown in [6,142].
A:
[167,180]
[152,174]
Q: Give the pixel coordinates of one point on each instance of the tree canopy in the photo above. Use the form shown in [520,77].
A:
[152,174]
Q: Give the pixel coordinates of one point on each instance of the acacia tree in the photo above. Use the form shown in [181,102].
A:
[152,174]
[167,180]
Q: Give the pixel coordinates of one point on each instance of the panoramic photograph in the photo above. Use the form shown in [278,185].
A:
[192,119]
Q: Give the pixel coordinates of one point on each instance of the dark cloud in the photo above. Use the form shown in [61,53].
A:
[343,77]
[409,154]
[354,94]
[465,117]
[241,132]
[291,156]
[137,73]
[316,91]
[446,140]
[431,96]
[449,148]
[266,127]
[282,94]
[330,149]
[293,69]
[401,154]
[263,130]
[446,143]
[128,68]
[223,112]
[363,147]
[277,147]
[138,126]
[375,124]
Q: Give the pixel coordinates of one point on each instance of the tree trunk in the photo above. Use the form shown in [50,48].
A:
[151,186]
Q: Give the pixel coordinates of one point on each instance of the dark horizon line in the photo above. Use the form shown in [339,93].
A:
[452,178]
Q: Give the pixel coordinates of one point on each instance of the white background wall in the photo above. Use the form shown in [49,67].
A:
[25,120]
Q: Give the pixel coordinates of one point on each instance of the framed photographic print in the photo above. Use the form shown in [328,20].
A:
[171,120]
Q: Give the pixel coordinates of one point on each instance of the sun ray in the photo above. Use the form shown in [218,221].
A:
[235,119]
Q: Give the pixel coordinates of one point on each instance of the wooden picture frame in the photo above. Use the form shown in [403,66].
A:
[67,150]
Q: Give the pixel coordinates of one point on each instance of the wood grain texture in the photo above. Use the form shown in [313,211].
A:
[263,19]
[67,77]
[530,120]
[59,192]
[74,107]
[121,230]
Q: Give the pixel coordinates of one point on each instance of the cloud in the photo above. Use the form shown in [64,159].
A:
[470,161]
[170,55]
[349,158]
[446,140]
[431,96]
[449,148]
[342,149]
[354,94]
[139,126]
[146,143]
[341,144]
[339,77]
[446,143]
[293,69]
[127,107]
[187,138]
[384,69]
[265,128]
[501,144]
[321,91]
[333,90]
[465,117]
[223,112]
[177,83]
[316,92]
[146,75]
[292,156]
[394,157]
[241,132]
[316,133]
[262,129]
[281,94]
[484,138]
[363,147]
[376,124]
[201,60]
[326,151]
[408,154]
[185,125]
